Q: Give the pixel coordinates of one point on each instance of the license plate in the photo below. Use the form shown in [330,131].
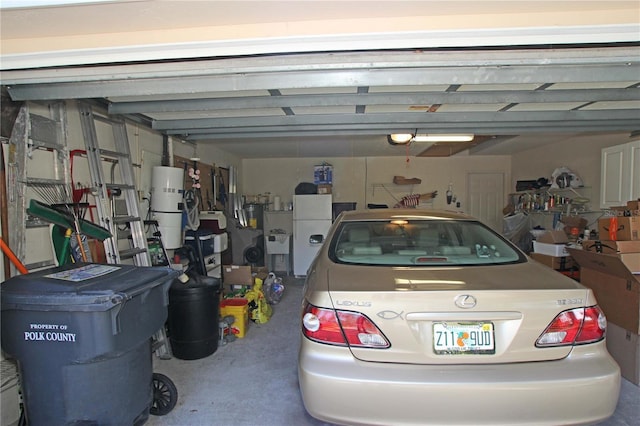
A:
[463,338]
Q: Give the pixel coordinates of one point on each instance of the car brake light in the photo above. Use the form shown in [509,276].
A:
[575,327]
[342,328]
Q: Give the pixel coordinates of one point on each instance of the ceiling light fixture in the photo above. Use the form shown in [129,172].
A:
[404,138]
[400,137]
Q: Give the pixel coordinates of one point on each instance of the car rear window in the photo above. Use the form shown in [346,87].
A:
[420,242]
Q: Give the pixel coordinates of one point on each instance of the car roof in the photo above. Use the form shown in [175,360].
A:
[407,214]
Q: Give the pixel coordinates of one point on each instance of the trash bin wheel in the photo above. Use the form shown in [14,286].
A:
[165,395]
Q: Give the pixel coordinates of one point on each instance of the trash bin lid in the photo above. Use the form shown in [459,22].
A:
[81,287]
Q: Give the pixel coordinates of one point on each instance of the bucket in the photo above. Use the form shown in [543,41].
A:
[239,308]
[193,317]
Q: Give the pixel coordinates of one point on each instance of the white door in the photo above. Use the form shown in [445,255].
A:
[613,177]
[485,198]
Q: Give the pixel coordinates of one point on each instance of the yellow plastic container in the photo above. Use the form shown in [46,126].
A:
[239,308]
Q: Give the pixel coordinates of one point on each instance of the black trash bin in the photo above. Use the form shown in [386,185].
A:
[194,322]
[81,335]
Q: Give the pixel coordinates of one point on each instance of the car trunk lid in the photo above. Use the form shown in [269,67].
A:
[424,311]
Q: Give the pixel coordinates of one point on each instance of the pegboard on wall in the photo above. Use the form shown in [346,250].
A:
[206,181]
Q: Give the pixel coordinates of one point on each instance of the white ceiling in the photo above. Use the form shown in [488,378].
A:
[308,80]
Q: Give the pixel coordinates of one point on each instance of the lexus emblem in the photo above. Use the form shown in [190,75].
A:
[465,301]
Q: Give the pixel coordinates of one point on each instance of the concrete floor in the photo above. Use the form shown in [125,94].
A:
[253,381]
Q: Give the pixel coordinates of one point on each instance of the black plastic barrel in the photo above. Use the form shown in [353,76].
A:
[194,309]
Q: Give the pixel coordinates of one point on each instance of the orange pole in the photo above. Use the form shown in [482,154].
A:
[12,257]
[4,211]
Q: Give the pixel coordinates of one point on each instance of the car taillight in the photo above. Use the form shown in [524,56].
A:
[575,327]
[342,328]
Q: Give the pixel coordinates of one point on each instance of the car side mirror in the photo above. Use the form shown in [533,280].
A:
[316,239]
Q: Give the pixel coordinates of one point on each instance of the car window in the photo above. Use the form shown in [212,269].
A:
[420,242]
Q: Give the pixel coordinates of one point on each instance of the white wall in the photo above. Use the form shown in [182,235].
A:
[370,180]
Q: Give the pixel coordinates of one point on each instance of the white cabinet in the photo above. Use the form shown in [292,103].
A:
[620,178]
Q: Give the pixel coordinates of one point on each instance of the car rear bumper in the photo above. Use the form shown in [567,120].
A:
[580,389]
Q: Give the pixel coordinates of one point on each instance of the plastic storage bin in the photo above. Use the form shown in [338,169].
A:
[206,245]
[204,237]
[239,309]
[82,337]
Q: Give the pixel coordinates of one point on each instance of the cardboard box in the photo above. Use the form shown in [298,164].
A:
[243,275]
[553,237]
[633,206]
[627,229]
[615,286]
[631,261]
[260,272]
[556,250]
[619,210]
[324,189]
[611,247]
[554,262]
[238,279]
[574,222]
[235,274]
[624,347]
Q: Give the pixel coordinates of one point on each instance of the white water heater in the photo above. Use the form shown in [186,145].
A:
[167,193]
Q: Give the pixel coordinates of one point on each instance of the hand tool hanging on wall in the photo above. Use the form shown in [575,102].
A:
[232,194]
[222,193]
[214,190]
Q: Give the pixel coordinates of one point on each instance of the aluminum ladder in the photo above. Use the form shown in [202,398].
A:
[40,130]
[119,157]
[104,192]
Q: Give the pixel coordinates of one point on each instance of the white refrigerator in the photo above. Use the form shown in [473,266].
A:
[311,216]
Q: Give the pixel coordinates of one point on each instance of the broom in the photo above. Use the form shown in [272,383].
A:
[59,196]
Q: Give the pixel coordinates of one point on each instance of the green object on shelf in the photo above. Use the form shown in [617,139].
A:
[66,220]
